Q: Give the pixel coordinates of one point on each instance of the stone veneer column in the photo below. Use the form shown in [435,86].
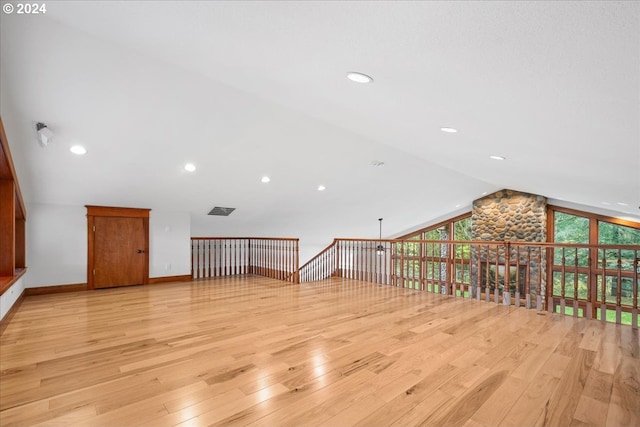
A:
[509,215]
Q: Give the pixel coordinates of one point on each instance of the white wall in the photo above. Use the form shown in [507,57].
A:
[310,249]
[10,297]
[57,244]
[169,244]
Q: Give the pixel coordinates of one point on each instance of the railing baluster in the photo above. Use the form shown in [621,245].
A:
[619,288]
[487,291]
[199,259]
[634,289]
[575,283]
[562,282]
[527,281]
[351,260]
[496,289]
[603,306]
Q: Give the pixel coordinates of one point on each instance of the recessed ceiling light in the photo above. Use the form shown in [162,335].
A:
[354,76]
[449,130]
[484,193]
[458,205]
[265,179]
[78,149]
[321,188]
[605,203]
[190,167]
[622,204]
[497,157]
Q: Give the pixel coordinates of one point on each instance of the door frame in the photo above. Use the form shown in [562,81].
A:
[108,211]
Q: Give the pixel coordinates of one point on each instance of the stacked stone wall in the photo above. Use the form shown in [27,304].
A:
[510,216]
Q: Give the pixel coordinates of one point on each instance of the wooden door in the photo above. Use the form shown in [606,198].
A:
[118,247]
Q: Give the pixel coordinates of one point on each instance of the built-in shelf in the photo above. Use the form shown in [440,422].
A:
[13,219]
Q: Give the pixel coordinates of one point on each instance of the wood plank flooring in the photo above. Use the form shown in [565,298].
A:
[254,351]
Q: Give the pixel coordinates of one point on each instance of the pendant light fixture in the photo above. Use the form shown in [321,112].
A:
[380,248]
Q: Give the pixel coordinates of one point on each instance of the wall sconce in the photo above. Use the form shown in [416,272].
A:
[44,134]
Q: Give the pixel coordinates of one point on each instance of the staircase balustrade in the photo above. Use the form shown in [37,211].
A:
[276,258]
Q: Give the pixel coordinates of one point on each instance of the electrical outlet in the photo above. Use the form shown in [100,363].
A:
[167,267]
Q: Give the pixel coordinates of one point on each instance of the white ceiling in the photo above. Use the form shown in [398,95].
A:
[244,89]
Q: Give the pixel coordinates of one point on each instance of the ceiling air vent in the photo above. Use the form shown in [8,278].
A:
[220,211]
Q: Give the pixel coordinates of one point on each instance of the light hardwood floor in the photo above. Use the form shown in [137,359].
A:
[260,352]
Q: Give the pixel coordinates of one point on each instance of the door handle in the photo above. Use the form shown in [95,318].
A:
[140,251]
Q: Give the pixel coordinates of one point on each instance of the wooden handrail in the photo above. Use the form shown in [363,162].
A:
[321,266]
[320,254]
[484,242]
[245,238]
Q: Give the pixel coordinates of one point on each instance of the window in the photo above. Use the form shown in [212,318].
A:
[600,276]
[430,265]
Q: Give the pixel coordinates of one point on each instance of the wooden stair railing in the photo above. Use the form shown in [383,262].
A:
[321,266]
[276,258]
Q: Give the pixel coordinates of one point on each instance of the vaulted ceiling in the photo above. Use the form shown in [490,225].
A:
[248,89]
